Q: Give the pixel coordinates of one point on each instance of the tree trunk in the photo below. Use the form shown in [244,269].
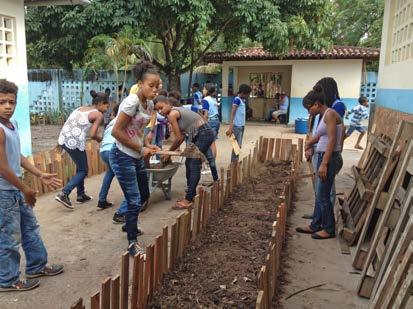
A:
[174,81]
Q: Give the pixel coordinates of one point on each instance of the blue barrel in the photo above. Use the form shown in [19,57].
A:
[301,125]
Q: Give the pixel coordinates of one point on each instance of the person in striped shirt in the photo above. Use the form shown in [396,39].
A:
[358,113]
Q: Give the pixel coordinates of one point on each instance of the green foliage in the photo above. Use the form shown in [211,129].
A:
[178,32]
[358,22]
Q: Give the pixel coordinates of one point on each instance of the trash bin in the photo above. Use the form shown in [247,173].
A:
[301,125]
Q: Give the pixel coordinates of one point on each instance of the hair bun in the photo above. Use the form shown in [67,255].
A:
[317,88]
[93,93]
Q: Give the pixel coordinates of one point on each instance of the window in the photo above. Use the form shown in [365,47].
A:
[7,41]
[402,31]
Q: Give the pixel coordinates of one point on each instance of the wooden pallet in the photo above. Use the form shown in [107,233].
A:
[382,192]
[367,174]
[388,220]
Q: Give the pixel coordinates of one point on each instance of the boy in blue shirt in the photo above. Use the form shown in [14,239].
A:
[237,120]
[359,112]
[197,100]
[18,223]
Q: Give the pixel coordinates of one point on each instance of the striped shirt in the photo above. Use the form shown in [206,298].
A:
[359,113]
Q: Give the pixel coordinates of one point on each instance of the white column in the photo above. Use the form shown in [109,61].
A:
[235,79]
[225,77]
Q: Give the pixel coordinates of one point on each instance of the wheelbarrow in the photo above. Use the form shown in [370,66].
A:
[162,178]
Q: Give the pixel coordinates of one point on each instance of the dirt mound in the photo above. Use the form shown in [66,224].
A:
[220,268]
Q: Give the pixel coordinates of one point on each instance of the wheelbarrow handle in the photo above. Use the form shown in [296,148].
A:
[169,153]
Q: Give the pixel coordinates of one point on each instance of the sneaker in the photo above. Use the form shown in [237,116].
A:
[140,232]
[48,270]
[83,198]
[135,249]
[104,204]
[64,200]
[118,219]
[21,285]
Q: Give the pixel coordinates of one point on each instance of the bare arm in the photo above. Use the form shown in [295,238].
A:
[118,132]
[205,114]
[97,119]
[231,121]
[5,170]
[48,179]
[25,163]
[179,137]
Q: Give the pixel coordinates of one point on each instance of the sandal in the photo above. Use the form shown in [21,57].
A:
[318,236]
[180,205]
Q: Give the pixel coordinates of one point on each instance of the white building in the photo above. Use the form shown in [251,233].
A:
[395,83]
[13,61]
[295,74]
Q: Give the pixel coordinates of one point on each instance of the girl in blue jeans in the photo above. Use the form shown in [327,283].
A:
[188,123]
[127,154]
[72,138]
[328,137]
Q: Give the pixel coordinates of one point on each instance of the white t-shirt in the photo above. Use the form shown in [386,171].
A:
[132,107]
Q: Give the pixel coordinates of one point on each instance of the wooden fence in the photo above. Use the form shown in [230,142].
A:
[147,273]
[54,161]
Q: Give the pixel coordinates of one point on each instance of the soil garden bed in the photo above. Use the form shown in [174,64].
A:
[221,268]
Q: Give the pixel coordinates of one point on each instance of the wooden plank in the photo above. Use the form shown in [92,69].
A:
[205,212]
[124,281]
[106,294]
[277,149]
[195,227]
[398,278]
[264,150]
[151,257]
[181,235]
[400,175]
[146,279]
[300,149]
[260,300]
[158,259]
[95,301]
[174,245]
[379,145]
[270,154]
[114,293]
[405,291]
[404,129]
[165,236]
[78,304]
[382,287]
[141,285]
[135,283]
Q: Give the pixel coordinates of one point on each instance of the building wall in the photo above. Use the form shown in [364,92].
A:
[16,70]
[395,85]
[304,74]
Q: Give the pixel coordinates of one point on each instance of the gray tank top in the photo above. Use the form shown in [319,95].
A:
[189,121]
[12,144]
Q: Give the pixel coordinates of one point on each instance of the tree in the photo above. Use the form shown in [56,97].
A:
[118,53]
[357,22]
[184,29]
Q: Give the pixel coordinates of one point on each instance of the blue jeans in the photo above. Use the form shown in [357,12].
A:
[314,160]
[18,224]
[203,141]
[143,190]
[78,180]
[239,133]
[107,179]
[323,216]
[127,169]
[215,124]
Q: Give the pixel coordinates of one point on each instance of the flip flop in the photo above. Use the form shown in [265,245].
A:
[180,206]
[317,236]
